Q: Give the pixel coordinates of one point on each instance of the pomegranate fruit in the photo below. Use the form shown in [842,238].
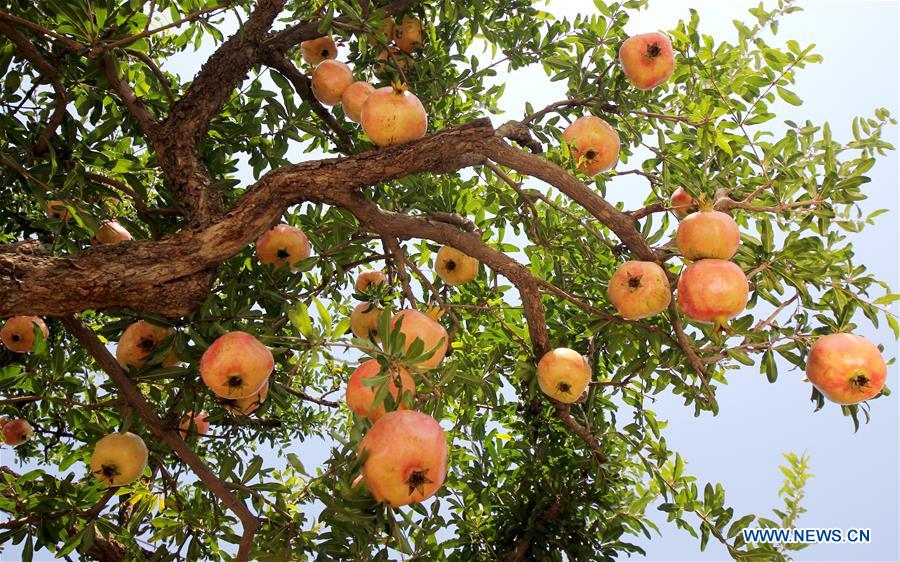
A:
[415,325]
[236,365]
[682,202]
[314,51]
[364,321]
[353,99]
[368,278]
[593,143]
[139,341]
[16,432]
[563,374]
[647,60]
[393,115]
[283,244]
[639,289]
[846,368]
[329,80]
[17,333]
[406,457]
[361,398]
[455,267]
[708,234]
[712,291]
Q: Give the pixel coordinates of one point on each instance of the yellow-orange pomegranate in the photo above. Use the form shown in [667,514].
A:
[393,115]
[329,80]
[413,325]
[406,457]
[364,321]
[846,368]
[368,278]
[712,291]
[708,234]
[16,432]
[317,50]
[57,209]
[353,99]
[408,34]
[194,425]
[361,398]
[139,341]
[639,289]
[283,244]
[593,143]
[563,374]
[110,232]
[682,202]
[17,333]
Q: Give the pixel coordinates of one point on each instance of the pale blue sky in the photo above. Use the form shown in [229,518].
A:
[856,482]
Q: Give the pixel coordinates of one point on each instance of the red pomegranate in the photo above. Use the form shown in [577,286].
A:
[712,291]
[846,368]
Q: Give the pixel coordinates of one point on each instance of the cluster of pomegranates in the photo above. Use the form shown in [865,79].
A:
[388,115]
[405,451]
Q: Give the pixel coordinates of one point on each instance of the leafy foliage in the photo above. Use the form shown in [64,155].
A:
[521,482]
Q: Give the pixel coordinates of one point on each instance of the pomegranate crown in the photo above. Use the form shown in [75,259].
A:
[399,87]
[435,312]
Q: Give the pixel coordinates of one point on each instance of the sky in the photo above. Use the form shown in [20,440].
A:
[856,474]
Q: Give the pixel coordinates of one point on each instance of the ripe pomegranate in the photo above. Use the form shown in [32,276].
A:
[361,398]
[236,365]
[119,459]
[647,60]
[392,57]
[408,34]
[846,368]
[191,424]
[368,278]
[392,115]
[593,143]
[317,50]
[17,333]
[354,97]
[139,341]
[413,325]
[454,267]
[708,234]
[110,232]
[57,209]
[563,374]
[283,244]
[16,432]
[406,457]
[329,80]
[639,289]
[364,321]
[682,202]
[712,291]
